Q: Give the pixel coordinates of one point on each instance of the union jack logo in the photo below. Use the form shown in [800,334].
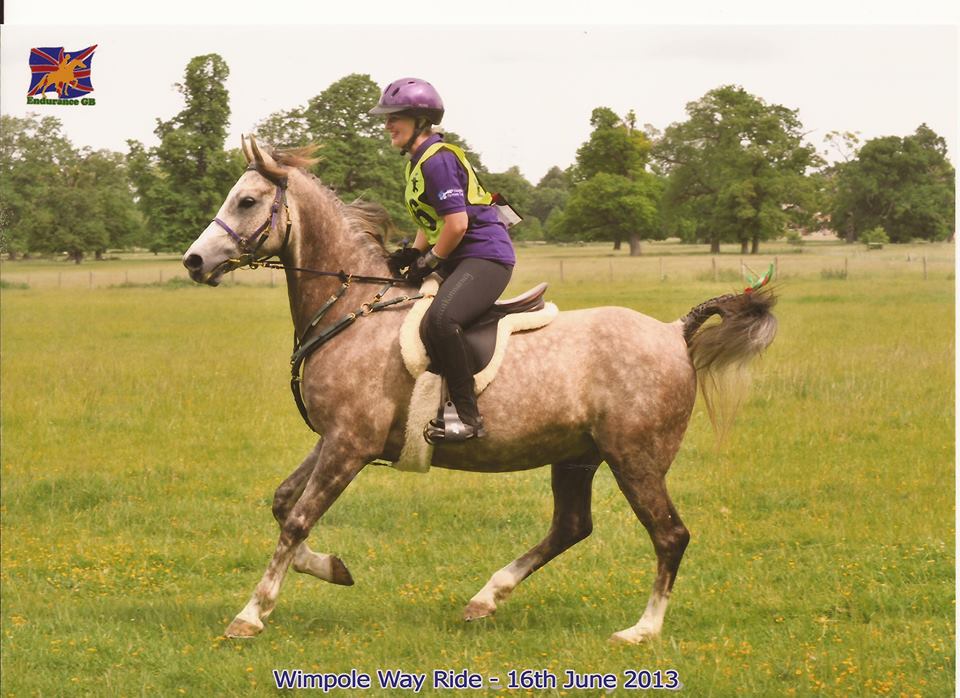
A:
[68,74]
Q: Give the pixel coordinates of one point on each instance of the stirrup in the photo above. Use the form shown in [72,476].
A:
[451,428]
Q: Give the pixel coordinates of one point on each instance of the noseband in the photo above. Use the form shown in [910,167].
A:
[251,244]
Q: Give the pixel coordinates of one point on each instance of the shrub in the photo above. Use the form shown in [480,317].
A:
[875,236]
[833,273]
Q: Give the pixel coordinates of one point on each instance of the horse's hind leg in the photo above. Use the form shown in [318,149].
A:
[572,523]
[647,494]
[333,471]
[323,566]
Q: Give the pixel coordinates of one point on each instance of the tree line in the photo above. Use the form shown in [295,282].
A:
[736,170]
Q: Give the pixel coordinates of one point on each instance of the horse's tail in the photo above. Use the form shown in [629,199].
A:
[721,351]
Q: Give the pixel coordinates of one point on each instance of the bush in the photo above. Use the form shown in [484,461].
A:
[874,237]
[794,238]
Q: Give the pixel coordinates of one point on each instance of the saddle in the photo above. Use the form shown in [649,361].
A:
[481,336]
[486,338]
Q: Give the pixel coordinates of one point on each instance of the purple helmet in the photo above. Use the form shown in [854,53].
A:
[411,97]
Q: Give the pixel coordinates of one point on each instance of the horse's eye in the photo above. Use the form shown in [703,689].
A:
[247,202]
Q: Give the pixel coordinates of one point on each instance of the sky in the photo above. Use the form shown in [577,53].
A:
[521,93]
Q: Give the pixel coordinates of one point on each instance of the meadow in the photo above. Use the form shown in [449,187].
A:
[146,424]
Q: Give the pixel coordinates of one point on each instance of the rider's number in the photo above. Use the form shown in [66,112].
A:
[425,218]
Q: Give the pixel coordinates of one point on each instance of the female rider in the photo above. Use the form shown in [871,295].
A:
[459,235]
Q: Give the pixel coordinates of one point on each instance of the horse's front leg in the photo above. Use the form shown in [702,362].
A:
[335,469]
[323,566]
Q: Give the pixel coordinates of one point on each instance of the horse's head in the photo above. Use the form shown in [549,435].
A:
[252,224]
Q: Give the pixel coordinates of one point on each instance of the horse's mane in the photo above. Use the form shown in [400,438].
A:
[367,220]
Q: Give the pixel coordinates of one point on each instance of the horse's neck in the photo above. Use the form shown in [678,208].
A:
[322,240]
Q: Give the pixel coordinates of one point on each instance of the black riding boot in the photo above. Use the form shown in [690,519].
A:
[457,369]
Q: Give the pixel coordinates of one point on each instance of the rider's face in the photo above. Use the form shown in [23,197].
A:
[400,128]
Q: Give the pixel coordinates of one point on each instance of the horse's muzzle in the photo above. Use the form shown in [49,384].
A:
[194,266]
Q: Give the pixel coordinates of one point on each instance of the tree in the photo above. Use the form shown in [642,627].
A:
[33,151]
[614,197]
[353,143]
[356,159]
[613,206]
[615,146]
[182,182]
[735,169]
[551,193]
[284,129]
[904,185]
[57,199]
[111,193]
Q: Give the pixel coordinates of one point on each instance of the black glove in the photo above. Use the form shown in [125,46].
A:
[422,267]
[403,258]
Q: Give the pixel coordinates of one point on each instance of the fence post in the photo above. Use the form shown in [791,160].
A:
[561,271]
[924,267]
[713,261]
[91,279]
[776,266]
[845,267]
[161,276]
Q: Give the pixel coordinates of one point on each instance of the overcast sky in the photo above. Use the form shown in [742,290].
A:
[520,95]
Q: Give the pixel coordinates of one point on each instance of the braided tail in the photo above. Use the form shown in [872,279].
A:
[721,351]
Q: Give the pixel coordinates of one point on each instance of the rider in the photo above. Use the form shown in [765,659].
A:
[459,235]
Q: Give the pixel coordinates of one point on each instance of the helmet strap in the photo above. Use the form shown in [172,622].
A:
[421,125]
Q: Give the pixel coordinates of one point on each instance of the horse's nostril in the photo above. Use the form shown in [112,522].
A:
[193,262]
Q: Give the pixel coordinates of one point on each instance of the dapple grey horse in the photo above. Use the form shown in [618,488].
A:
[601,384]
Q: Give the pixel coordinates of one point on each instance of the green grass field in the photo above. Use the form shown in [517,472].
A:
[145,429]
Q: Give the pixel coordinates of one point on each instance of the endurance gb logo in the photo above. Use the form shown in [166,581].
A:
[66,73]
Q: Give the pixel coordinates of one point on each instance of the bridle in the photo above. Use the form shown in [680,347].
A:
[247,246]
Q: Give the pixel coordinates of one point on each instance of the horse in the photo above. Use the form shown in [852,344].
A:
[596,385]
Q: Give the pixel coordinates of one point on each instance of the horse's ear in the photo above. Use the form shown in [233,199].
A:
[264,160]
[245,146]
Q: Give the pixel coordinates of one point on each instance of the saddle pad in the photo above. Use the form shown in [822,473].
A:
[417,454]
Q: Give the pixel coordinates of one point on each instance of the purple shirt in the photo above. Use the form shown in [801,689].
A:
[444,182]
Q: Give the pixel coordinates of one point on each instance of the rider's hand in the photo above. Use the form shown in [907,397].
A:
[422,267]
[403,258]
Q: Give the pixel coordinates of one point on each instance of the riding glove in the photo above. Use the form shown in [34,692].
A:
[403,258]
[422,267]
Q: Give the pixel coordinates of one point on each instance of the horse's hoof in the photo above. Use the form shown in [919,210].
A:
[242,629]
[339,574]
[476,610]
[631,636]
